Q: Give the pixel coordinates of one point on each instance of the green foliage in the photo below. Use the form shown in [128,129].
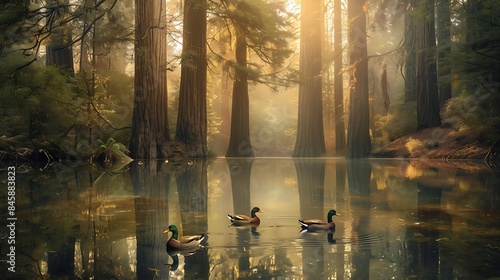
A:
[400,122]
[113,152]
[13,21]
[475,54]
[109,114]
[268,28]
[474,60]
[117,95]
[38,102]
[478,112]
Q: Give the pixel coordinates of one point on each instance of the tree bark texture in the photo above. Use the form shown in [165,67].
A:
[192,115]
[239,139]
[444,50]
[358,133]
[426,74]
[310,140]
[338,82]
[58,52]
[150,134]
[225,109]
[384,87]
[409,53]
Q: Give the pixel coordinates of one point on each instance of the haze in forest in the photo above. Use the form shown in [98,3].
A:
[117,80]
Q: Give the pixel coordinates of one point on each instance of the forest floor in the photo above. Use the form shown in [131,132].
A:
[438,143]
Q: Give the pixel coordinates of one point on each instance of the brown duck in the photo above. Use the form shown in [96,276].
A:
[185,243]
[317,224]
[243,220]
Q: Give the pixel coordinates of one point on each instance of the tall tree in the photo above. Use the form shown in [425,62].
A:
[310,141]
[150,134]
[358,131]
[426,75]
[384,87]
[444,49]
[114,36]
[409,52]
[59,51]
[192,115]
[239,139]
[338,80]
[262,32]
[480,54]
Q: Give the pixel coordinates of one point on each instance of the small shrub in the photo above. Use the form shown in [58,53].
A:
[395,125]
[414,146]
[477,113]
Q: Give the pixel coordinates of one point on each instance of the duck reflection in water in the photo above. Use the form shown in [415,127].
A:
[330,238]
[173,261]
[254,231]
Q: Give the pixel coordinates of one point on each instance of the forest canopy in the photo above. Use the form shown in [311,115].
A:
[110,80]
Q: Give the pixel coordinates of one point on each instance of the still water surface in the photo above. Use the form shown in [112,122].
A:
[399,220]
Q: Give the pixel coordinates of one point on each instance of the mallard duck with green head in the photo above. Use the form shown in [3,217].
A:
[184,243]
[244,220]
[317,224]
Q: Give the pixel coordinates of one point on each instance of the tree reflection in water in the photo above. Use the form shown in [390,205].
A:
[399,220]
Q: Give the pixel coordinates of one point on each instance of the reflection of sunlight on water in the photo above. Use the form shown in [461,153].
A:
[44,267]
[179,272]
[215,191]
[464,185]
[347,266]
[132,253]
[373,232]
[413,172]
[174,206]
[290,182]
[78,262]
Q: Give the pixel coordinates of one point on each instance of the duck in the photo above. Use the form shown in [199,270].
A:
[317,224]
[184,243]
[243,220]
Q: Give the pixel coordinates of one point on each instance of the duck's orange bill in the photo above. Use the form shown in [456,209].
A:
[167,230]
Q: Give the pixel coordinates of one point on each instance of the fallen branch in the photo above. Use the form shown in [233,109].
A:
[460,148]
[491,151]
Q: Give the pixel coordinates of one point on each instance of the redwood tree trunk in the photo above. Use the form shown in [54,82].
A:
[444,47]
[410,53]
[338,82]
[150,134]
[59,53]
[239,140]
[358,133]
[427,91]
[192,115]
[310,140]
[384,86]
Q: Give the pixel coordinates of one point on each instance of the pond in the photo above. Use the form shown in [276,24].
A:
[399,219]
